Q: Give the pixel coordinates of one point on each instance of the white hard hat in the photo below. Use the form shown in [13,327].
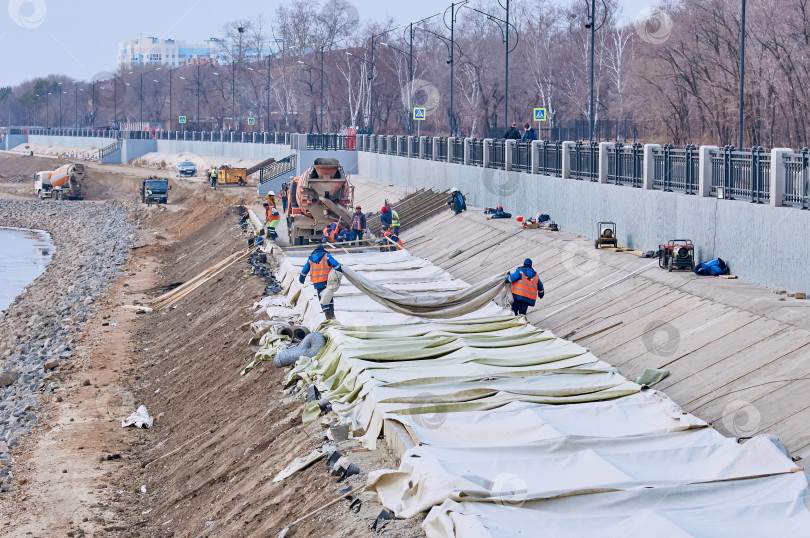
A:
[271,193]
[453,189]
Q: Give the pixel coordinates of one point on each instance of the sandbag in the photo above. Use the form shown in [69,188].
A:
[713,267]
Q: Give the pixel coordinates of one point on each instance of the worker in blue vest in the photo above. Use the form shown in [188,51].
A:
[457,202]
[358,225]
[318,266]
[526,288]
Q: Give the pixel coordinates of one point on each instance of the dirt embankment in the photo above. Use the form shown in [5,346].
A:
[219,438]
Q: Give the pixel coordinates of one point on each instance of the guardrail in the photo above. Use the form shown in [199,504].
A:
[585,161]
[797,179]
[496,154]
[742,175]
[457,148]
[441,149]
[676,169]
[476,152]
[522,156]
[626,165]
[427,147]
[550,158]
[109,150]
[333,142]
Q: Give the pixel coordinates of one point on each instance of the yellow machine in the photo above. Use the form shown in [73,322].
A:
[231,176]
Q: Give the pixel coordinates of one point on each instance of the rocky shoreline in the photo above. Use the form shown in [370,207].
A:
[37,331]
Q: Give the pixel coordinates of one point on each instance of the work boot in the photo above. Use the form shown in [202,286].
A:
[329,312]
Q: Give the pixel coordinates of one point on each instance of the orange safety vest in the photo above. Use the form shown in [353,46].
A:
[395,238]
[356,222]
[319,272]
[526,287]
[330,234]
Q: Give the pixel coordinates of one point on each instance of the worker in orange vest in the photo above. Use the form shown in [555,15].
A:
[331,232]
[358,225]
[389,233]
[526,288]
[318,266]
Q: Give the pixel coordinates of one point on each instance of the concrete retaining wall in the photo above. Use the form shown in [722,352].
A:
[224,149]
[70,141]
[763,244]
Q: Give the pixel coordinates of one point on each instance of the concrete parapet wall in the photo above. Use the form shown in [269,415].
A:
[762,244]
[247,150]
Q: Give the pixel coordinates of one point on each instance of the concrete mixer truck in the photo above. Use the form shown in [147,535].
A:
[63,183]
[318,197]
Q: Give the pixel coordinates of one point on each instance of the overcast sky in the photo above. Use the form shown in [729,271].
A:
[79,38]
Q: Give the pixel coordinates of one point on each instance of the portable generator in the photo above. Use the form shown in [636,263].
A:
[606,235]
[677,254]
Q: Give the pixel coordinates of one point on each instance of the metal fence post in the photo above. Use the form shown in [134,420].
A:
[689,154]
[467,150]
[728,180]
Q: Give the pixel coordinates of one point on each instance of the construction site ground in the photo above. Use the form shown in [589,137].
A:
[738,356]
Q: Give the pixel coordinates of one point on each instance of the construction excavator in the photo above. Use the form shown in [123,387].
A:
[318,197]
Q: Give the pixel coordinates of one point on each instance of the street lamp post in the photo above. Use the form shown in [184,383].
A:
[76,107]
[505,32]
[449,61]
[453,12]
[60,103]
[742,73]
[592,25]
[320,125]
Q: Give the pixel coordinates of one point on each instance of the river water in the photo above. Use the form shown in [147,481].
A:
[24,255]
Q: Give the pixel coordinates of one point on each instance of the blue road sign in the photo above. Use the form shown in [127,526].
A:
[181,119]
[419,113]
[251,121]
[539,114]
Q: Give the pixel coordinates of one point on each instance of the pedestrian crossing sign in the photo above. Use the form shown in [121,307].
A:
[251,121]
[418,113]
[539,114]
[181,119]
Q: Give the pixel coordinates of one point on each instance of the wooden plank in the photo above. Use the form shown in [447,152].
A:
[713,373]
[776,376]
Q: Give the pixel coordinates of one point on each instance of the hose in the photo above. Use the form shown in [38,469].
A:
[309,347]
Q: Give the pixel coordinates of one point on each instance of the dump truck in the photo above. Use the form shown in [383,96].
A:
[318,197]
[159,189]
[66,182]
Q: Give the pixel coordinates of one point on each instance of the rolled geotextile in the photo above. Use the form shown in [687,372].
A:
[288,332]
[309,347]
[299,332]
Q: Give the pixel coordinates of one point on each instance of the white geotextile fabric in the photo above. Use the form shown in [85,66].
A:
[432,305]
[645,413]
[511,444]
[773,506]
[570,466]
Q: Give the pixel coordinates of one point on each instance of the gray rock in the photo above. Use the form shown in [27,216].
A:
[8,377]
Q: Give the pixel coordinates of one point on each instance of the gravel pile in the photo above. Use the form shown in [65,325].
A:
[37,330]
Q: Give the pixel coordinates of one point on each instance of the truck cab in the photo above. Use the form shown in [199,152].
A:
[42,187]
[158,190]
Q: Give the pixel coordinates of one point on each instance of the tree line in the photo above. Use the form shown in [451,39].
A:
[670,72]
